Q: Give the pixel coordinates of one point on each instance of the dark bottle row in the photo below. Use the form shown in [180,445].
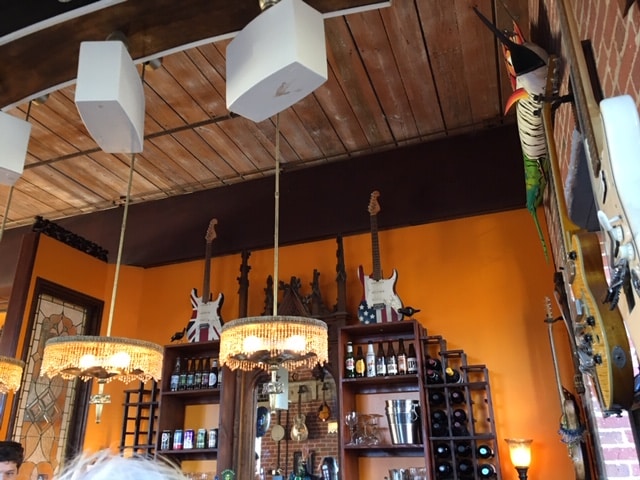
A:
[195,374]
[465,469]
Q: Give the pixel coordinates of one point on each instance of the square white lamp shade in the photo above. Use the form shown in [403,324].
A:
[14,139]
[276,60]
[110,96]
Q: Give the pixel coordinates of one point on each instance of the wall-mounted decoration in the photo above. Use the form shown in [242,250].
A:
[49,415]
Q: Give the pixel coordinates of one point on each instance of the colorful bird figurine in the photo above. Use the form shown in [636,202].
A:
[527,66]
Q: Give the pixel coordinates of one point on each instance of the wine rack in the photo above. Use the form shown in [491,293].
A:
[460,422]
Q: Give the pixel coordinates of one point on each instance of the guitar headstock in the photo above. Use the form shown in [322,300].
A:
[548,310]
[211,231]
[374,206]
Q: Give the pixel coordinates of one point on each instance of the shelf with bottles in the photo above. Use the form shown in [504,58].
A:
[460,414]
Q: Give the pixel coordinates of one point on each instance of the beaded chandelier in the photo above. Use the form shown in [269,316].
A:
[10,374]
[271,341]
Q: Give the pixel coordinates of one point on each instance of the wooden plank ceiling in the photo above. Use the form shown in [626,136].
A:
[404,75]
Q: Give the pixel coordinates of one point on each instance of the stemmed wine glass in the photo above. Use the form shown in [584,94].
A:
[371,428]
[351,420]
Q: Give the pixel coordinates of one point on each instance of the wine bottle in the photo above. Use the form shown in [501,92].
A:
[433,377]
[485,451]
[182,381]
[436,397]
[463,449]
[175,376]
[444,470]
[402,358]
[486,470]
[197,375]
[361,366]
[456,396]
[370,360]
[349,362]
[439,416]
[459,429]
[431,363]
[412,360]
[442,450]
[381,362]
[214,374]
[459,415]
[465,468]
[452,375]
[204,377]
[439,429]
[191,373]
[391,360]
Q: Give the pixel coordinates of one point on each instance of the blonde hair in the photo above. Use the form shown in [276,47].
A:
[106,465]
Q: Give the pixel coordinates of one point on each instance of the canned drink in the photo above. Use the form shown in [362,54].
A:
[177,440]
[212,439]
[165,440]
[188,440]
[201,438]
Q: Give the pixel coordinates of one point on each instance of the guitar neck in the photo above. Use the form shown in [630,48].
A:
[206,284]
[375,248]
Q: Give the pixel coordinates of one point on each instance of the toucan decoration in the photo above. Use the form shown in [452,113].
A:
[527,67]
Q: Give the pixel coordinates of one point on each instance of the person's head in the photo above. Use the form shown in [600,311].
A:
[11,457]
[106,465]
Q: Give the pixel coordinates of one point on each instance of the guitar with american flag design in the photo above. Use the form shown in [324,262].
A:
[206,323]
[380,303]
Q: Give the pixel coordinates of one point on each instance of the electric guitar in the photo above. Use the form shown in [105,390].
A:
[380,303]
[600,334]
[206,323]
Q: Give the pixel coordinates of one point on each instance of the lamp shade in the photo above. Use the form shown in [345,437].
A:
[14,139]
[276,60]
[110,97]
[519,452]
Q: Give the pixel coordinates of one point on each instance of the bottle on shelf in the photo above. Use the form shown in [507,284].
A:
[361,365]
[381,362]
[442,450]
[444,470]
[206,366]
[465,468]
[463,449]
[370,360]
[439,429]
[197,374]
[452,375]
[402,358]
[431,363]
[191,373]
[456,396]
[349,362]
[182,381]
[214,374]
[486,470]
[439,416]
[485,451]
[433,377]
[459,429]
[391,360]
[459,415]
[412,360]
[436,397]
[175,376]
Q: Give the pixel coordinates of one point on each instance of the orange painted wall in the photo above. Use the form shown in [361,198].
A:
[479,282]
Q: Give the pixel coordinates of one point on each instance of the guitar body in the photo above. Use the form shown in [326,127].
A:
[380,303]
[206,323]
[299,431]
[604,338]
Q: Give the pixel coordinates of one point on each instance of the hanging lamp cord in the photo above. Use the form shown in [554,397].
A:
[276,226]
[10,196]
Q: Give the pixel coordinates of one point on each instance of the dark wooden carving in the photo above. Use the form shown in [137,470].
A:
[63,235]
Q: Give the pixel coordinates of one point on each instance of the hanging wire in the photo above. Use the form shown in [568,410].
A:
[10,196]
[276,226]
